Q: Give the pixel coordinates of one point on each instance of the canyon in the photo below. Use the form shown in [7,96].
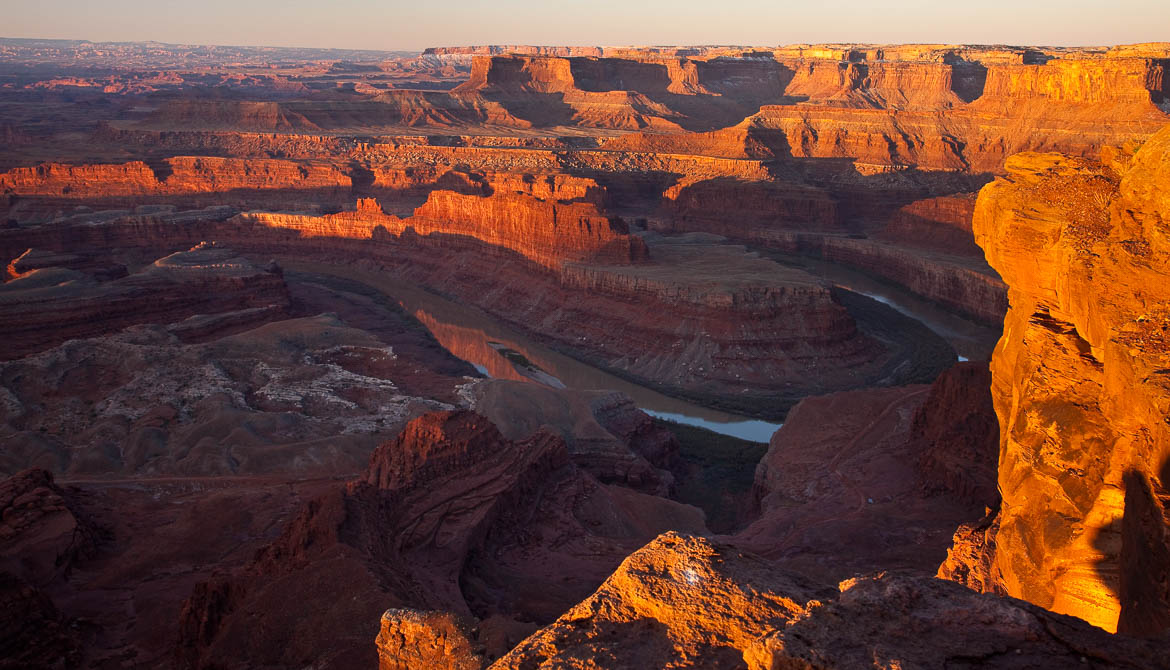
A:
[806,356]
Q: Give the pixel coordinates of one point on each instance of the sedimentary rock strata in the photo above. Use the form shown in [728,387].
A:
[312,393]
[867,480]
[41,538]
[1078,383]
[605,433]
[569,273]
[443,518]
[48,305]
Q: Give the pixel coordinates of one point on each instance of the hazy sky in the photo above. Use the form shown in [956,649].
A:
[392,24]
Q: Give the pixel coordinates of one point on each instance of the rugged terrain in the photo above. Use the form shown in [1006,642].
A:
[341,359]
[1079,385]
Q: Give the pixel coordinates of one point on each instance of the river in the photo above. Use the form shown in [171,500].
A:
[500,351]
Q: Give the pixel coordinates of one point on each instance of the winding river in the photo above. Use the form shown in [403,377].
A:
[499,351]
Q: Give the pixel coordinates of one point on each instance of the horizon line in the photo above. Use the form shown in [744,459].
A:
[591,45]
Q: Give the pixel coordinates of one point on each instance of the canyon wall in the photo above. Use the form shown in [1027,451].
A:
[181,174]
[1080,386]
[728,326]
[450,515]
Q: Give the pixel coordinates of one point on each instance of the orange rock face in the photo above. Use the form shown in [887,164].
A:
[649,212]
[1078,381]
[544,219]
[680,601]
[179,175]
[688,602]
[412,639]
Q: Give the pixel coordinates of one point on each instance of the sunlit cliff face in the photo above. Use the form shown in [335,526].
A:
[1079,377]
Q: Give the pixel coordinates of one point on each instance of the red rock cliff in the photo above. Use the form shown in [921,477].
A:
[1080,385]
[181,174]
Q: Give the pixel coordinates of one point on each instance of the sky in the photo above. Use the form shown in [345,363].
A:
[397,25]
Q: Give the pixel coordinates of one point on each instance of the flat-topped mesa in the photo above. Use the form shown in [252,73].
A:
[884,85]
[1079,385]
[499,49]
[644,73]
[174,176]
[845,102]
[1130,83]
[518,74]
[549,220]
[546,232]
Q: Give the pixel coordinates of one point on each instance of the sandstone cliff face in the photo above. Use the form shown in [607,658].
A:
[1131,83]
[889,85]
[788,335]
[1079,383]
[885,114]
[942,224]
[964,285]
[956,437]
[178,175]
[547,232]
[41,537]
[549,220]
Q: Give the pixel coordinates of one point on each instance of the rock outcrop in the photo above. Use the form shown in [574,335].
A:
[41,538]
[33,633]
[449,516]
[872,480]
[173,176]
[689,602]
[956,436]
[1079,383]
[680,601]
[313,394]
[754,339]
[915,622]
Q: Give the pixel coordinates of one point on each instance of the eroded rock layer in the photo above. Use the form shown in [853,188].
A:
[688,602]
[729,327]
[448,516]
[1079,383]
[48,305]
